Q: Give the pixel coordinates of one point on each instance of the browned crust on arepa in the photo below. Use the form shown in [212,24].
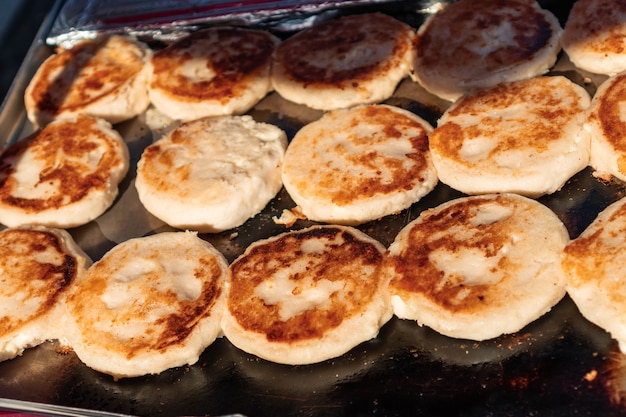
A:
[343,187]
[551,115]
[585,20]
[71,175]
[590,253]
[72,79]
[531,33]
[476,44]
[413,272]
[235,56]
[482,233]
[178,316]
[26,277]
[338,38]
[594,264]
[607,114]
[337,262]
[594,36]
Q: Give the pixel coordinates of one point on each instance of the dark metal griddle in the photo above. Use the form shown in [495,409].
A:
[560,365]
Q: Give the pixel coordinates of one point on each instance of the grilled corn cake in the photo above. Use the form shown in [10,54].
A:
[150,304]
[105,77]
[307,296]
[212,72]
[473,44]
[38,266]
[212,174]
[478,267]
[357,59]
[359,164]
[525,137]
[63,175]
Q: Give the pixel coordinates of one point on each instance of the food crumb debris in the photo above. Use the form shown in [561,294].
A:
[591,375]
[602,176]
[233,235]
[289,217]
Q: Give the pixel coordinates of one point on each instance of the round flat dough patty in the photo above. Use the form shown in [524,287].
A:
[594,264]
[149,304]
[212,72]
[64,175]
[478,267]
[360,164]
[307,296]
[607,126]
[37,267]
[104,78]
[525,137]
[357,59]
[594,36]
[212,174]
[473,44]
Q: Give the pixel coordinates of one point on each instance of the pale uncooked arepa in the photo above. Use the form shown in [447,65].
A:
[212,174]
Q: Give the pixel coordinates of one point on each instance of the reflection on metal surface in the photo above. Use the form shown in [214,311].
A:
[169,20]
[17,408]
[51,410]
